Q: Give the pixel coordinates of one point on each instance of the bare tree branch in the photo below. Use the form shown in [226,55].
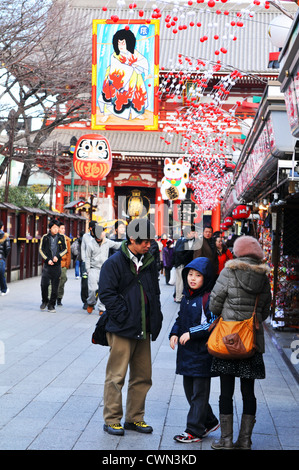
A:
[41,77]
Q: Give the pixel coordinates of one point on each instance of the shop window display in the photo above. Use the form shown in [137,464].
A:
[287,291]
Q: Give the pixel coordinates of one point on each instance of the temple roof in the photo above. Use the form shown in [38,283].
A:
[249,53]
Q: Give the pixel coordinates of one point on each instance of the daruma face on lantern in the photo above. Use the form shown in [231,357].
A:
[92,157]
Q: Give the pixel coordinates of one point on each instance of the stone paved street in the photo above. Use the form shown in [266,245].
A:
[52,376]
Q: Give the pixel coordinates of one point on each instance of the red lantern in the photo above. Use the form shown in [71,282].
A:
[223,227]
[228,221]
[92,157]
[241,212]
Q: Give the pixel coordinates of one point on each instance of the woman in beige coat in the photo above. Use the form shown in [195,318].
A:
[233,297]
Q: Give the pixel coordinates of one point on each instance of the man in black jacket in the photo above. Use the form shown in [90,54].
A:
[129,289]
[52,248]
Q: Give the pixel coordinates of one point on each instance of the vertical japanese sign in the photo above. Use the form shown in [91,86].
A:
[125,75]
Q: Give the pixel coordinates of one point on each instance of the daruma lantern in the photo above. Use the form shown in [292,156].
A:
[241,212]
[92,157]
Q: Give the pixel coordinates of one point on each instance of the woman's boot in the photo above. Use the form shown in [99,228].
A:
[226,439]
[244,439]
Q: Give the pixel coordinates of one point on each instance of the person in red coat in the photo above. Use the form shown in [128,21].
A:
[223,254]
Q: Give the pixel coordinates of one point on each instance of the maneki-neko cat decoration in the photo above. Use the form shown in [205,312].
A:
[92,157]
[176,175]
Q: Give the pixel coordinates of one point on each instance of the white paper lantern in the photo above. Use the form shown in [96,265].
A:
[279,29]
[246,125]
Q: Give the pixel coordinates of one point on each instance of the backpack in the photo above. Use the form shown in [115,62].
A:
[75,248]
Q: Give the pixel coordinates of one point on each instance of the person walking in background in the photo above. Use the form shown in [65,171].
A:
[83,274]
[190,332]
[223,254]
[207,248]
[52,248]
[234,297]
[129,289]
[231,240]
[183,254]
[119,235]
[76,255]
[4,252]
[85,240]
[97,252]
[168,259]
[65,264]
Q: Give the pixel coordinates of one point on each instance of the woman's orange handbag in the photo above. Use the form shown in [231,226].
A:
[233,339]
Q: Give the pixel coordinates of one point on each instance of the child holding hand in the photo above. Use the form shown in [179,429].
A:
[190,333]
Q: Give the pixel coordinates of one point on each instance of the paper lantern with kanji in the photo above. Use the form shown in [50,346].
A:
[228,221]
[223,227]
[92,157]
[241,212]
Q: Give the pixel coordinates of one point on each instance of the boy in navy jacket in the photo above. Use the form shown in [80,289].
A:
[190,333]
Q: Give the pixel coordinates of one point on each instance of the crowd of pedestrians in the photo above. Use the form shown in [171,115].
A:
[120,272]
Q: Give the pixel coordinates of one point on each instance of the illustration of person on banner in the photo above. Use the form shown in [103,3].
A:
[124,93]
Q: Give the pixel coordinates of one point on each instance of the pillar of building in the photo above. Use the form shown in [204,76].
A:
[216,217]
[59,193]
[159,212]
[109,186]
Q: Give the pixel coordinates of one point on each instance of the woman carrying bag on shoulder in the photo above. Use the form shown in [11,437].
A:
[233,297]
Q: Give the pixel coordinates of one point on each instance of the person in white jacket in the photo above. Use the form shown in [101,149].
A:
[97,252]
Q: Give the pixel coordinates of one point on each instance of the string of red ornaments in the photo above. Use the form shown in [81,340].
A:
[201,120]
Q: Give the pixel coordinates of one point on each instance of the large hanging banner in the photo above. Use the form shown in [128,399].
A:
[125,75]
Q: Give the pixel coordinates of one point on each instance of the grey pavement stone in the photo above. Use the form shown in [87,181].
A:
[52,382]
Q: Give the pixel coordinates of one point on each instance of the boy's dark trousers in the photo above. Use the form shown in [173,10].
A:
[50,274]
[200,416]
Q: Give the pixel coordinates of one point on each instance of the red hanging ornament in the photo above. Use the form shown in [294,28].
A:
[228,221]
[241,212]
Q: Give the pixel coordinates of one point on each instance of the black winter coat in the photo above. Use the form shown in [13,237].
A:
[193,359]
[126,308]
[45,248]
[4,245]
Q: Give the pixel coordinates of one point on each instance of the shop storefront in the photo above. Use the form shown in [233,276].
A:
[287,304]
[264,181]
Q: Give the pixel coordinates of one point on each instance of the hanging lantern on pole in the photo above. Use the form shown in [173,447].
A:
[228,221]
[223,227]
[279,29]
[92,157]
[241,212]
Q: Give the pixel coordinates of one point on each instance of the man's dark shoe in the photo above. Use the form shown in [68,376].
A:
[43,306]
[51,309]
[115,429]
[139,426]
[59,302]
